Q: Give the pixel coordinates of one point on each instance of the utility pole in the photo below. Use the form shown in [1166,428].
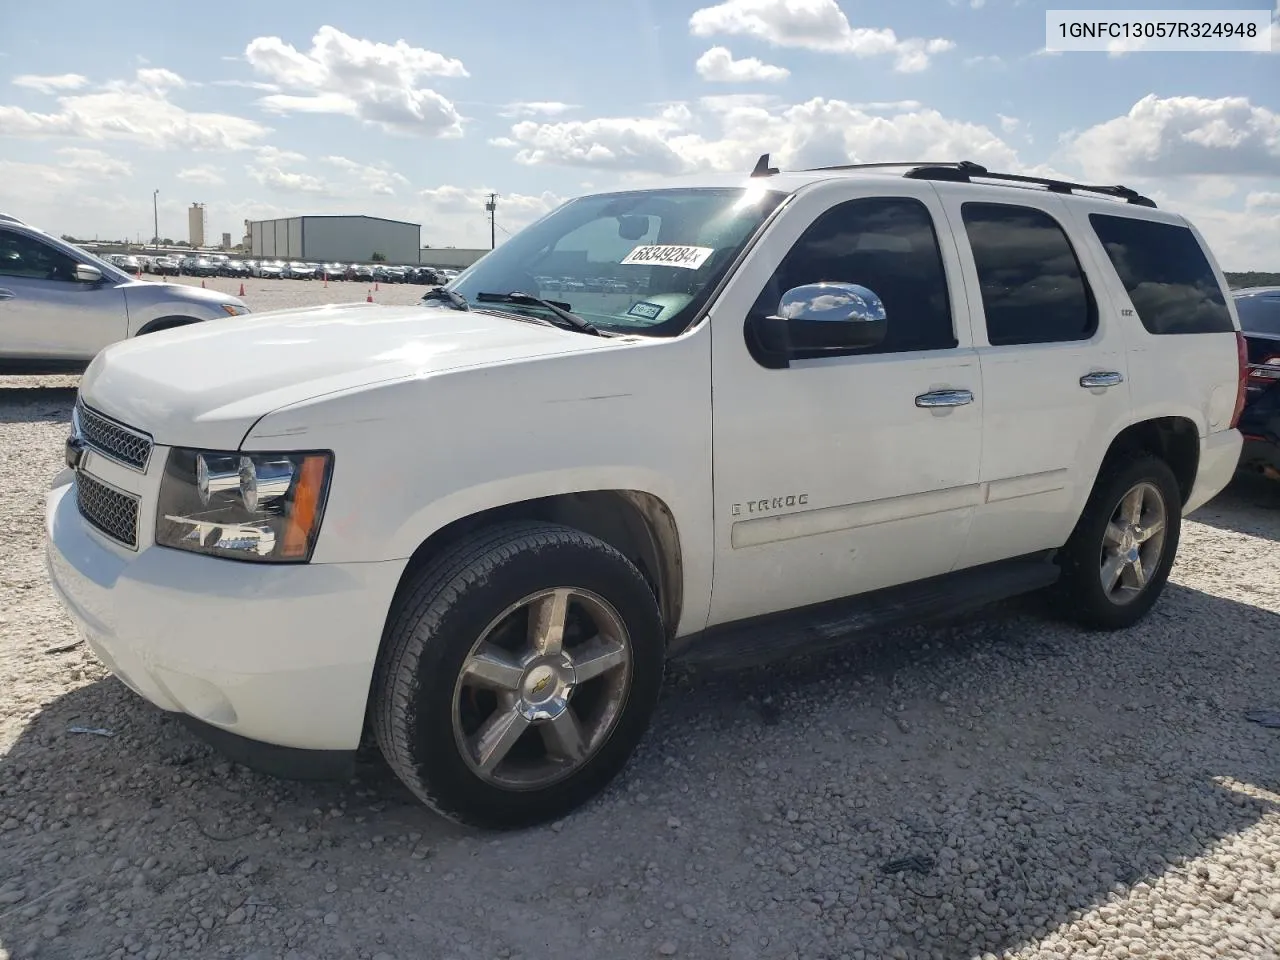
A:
[491,206]
[155,209]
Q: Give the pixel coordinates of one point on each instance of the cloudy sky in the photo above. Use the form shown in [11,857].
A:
[416,110]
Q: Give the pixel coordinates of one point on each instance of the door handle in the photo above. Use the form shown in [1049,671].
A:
[1101,379]
[944,398]
[6,294]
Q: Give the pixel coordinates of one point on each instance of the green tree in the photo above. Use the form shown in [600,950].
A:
[378,257]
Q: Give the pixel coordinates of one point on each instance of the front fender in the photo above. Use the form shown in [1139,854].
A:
[149,302]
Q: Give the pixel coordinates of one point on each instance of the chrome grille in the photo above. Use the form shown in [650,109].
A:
[114,440]
[112,512]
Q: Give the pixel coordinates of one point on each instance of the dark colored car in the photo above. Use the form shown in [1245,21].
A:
[360,271]
[200,267]
[234,268]
[1259,310]
[429,276]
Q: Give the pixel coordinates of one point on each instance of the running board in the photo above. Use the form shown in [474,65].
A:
[827,626]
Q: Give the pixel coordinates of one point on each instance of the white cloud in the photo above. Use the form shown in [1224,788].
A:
[287,181]
[1008,124]
[51,84]
[157,78]
[269,169]
[458,213]
[1182,136]
[138,111]
[984,60]
[536,108]
[718,66]
[377,178]
[94,163]
[377,83]
[727,134]
[208,176]
[248,85]
[813,25]
[1263,200]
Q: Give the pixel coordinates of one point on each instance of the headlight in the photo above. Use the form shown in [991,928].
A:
[234,310]
[247,506]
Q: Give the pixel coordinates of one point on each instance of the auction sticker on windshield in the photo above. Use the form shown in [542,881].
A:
[691,258]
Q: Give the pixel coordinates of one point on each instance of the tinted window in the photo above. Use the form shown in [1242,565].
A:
[887,245]
[1167,275]
[1033,290]
[1259,312]
[24,256]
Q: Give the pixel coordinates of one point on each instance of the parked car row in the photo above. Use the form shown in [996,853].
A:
[368,272]
[221,265]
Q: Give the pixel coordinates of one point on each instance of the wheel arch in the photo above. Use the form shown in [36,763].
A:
[166,323]
[638,524]
[1174,439]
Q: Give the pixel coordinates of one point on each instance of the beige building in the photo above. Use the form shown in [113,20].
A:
[195,225]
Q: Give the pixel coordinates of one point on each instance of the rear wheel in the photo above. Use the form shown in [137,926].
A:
[521,671]
[1117,562]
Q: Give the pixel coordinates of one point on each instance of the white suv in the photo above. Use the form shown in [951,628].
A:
[477,528]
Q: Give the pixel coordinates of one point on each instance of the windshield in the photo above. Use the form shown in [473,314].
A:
[643,261]
[1259,312]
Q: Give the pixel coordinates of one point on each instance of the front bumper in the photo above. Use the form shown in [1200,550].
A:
[278,655]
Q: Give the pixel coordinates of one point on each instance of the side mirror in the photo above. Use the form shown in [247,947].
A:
[819,317]
[88,273]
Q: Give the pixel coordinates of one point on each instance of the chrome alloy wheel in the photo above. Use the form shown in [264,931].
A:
[542,689]
[1133,543]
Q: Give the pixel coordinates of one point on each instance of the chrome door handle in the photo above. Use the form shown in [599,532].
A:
[6,294]
[1102,379]
[944,398]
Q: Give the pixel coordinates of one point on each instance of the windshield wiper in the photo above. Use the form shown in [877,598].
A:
[452,297]
[569,321]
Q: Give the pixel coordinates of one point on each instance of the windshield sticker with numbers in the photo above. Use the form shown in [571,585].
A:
[645,310]
[665,255]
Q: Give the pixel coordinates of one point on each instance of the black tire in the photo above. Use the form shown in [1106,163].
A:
[445,611]
[1080,594]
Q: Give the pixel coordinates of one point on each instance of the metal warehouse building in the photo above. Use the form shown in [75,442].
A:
[335,238]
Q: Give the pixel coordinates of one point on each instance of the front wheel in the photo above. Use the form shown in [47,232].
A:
[521,670]
[1117,562]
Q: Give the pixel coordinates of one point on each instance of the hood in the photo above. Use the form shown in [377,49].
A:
[205,385]
[162,290]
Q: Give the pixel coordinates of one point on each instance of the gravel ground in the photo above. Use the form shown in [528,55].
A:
[1005,787]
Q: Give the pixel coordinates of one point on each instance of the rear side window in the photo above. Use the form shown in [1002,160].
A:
[1259,312]
[1167,275]
[1033,289]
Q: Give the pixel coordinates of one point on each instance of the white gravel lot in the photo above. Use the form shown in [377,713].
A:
[1006,787]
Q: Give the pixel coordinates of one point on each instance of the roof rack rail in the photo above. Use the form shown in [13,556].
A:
[965,171]
[893,163]
[9,219]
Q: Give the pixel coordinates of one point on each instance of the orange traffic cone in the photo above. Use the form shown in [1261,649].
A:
[375,284]
[369,298]
[326,280]
[202,285]
[138,275]
[242,289]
